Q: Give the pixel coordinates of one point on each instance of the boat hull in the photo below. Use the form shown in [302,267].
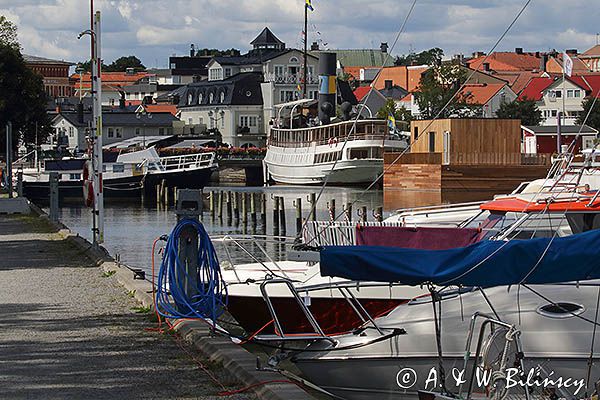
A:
[73,190]
[344,172]
[196,178]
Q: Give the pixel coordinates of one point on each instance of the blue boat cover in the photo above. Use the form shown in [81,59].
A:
[485,264]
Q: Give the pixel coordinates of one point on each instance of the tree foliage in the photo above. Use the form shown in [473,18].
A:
[206,52]
[526,110]
[428,57]
[22,99]
[121,64]
[8,33]
[400,113]
[594,119]
[438,88]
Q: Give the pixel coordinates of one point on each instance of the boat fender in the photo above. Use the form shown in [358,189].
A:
[333,141]
[88,184]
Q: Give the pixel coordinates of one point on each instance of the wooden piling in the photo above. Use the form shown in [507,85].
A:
[378,214]
[236,205]
[228,208]
[363,214]
[263,211]
[244,200]
[211,203]
[348,211]
[282,216]
[331,207]
[220,205]
[298,206]
[163,193]
[253,208]
[276,216]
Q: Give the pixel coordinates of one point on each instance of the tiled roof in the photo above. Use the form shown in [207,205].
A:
[361,57]
[518,80]
[594,51]
[161,108]
[555,65]
[41,60]
[507,61]
[591,83]
[110,79]
[535,87]
[480,93]
[361,91]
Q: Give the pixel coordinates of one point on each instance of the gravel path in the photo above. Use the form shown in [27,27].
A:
[69,332]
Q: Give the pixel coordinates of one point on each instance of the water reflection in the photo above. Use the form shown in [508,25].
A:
[131,228]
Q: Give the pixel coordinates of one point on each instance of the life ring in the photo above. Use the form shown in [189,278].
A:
[88,184]
[332,141]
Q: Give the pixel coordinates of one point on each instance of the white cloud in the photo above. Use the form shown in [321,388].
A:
[155,29]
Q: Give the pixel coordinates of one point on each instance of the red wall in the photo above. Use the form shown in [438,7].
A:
[547,144]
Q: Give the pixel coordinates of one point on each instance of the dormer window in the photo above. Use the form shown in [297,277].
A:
[294,60]
[210,98]
[222,97]
[190,99]
[200,97]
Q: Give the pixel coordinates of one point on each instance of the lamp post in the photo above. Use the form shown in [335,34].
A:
[139,117]
[96,126]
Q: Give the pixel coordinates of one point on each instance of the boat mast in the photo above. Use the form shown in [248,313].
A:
[305,69]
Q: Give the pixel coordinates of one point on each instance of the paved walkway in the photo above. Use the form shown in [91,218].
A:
[69,332]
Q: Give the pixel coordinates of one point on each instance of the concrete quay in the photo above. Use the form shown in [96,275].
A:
[74,325]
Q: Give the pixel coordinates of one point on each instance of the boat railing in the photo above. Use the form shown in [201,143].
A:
[330,134]
[437,208]
[318,333]
[338,233]
[187,161]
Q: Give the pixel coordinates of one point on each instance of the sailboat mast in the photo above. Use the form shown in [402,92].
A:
[305,69]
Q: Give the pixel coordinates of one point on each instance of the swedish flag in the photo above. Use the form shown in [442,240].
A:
[391,123]
[309,5]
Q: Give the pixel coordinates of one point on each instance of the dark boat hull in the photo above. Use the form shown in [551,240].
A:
[186,179]
[127,187]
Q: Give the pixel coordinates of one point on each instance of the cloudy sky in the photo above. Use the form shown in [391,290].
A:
[155,29]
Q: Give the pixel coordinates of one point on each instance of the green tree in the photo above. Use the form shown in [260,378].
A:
[401,114]
[22,99]
[428,57]
[438,89]
[217,53]
[8,33]
[594,119]
[526,110]
[121,64]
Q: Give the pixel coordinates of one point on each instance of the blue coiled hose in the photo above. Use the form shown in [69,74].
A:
[209,297]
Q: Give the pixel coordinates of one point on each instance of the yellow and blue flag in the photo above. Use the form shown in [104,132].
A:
[309,5]
[391,123]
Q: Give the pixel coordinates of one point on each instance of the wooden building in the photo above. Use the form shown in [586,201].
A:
[456,160]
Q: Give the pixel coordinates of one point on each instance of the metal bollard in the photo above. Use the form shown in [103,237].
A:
[20,183]
[54,196]
[298,206]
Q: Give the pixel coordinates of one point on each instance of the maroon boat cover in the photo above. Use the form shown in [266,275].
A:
[416,237]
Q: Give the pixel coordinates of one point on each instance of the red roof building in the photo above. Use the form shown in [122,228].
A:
[507,61]
[535,88]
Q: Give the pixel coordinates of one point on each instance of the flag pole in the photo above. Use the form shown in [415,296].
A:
[305,69]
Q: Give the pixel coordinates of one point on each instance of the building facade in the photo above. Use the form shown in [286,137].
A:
[55,74]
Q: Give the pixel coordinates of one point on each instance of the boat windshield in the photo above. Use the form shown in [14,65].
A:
[539,225]
[493,222]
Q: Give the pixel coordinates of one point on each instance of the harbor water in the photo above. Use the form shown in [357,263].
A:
[131,228]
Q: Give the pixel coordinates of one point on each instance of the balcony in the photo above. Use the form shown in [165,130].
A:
[290,79]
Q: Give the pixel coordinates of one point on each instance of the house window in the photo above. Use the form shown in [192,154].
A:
[248,121]
[553,113]
[416,132]
[222,97]
[137,131]
[577,93]
[314,94]
[161,131]
[432,142]
[287,95]
[200,97]
[111,132]
[118,133]
[278,70]
[558,93]
[71,131]
[227,72]
[211,98]
[570,93]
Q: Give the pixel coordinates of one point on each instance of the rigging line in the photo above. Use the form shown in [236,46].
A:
[590,361]
[360,111]
[386,169]
[581,317]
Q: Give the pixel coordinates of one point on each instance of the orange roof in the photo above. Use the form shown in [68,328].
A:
[353,71]
[507,61]
[361,91]
[115,79]
[407,77]
[480,93]
[555,65]
[518,80]
[594,51]
[161,108]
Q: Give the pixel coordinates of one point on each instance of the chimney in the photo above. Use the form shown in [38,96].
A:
[571,52]
[478,54]
[192,50]
[388,84]
[384,47]
[519,50]
[486,67]
[537,54]
[130,71]
[80,112]
[543,62]
[314,46]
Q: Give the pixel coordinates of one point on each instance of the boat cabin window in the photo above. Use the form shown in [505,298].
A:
[363,153]
[118,168]
[75,177]
[542,225]
[583,222]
